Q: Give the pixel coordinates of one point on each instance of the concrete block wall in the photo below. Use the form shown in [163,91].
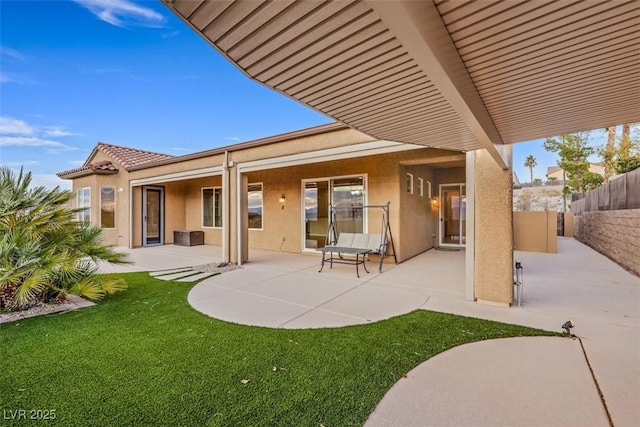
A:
[615,234]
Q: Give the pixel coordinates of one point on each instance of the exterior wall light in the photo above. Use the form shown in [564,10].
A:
[434,201]
[283,200]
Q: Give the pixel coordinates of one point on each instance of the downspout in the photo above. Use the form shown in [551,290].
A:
[226,191]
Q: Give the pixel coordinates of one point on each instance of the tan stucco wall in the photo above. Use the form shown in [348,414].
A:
[568,224]
[411,217]
[340,138]
[118,236]
[493,264]
[418,219]
[535,231]
[193,208]
[182,166]
[175,209]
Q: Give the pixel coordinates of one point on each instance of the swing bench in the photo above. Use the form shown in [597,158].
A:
[358,244]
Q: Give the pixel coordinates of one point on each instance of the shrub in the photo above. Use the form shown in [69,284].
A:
[44,252]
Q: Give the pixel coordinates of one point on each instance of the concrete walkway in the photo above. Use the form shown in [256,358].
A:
[520,381]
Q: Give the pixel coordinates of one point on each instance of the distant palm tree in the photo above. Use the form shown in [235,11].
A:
[530,162]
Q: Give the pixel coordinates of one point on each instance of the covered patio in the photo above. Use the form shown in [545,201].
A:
[284,290]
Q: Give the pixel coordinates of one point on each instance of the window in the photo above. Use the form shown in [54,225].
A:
[107,207]
[84,203]
[346,195]
[409,183]
[255,206]
[429,189]
[420,187]
[212,207]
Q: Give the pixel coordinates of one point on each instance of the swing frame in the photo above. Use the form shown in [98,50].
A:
[387,237]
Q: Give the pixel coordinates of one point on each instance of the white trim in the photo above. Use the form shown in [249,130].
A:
[261,184]
[179,176]
[429,194]
[226,194]
[441,222]
[82,189]
[420,187]
[239,215]
[409,188]
[365,218]
[213,216]
[130,216]
[115,193]
[339,153]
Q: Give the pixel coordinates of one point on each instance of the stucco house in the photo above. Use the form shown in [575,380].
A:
[275,193]
[426,91]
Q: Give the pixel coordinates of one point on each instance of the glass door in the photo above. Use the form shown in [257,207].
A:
[453,215]
[316,213]
[152,216]
[346,195]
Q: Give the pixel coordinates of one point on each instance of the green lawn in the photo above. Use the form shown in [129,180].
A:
[143,356]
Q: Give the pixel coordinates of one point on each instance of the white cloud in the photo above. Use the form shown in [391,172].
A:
[11,126]
[58,131]
[32,141]
[123,13]
[49,180]
[232,138]
[9,53]
[19,133]
[26,164]
[170,34]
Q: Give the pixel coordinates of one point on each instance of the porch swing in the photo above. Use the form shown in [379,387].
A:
[358,244]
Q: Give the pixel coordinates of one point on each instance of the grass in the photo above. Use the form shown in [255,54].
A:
[143,356]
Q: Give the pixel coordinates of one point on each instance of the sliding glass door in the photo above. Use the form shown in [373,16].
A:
[346,195]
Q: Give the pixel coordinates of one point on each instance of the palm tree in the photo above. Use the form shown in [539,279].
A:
[530,162]
[44,252]
[608,154]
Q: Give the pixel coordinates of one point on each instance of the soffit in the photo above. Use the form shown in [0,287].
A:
[337,57]
[534,68]
[543,68]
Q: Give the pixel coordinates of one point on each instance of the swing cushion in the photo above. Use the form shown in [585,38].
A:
[345,240]
[373,242]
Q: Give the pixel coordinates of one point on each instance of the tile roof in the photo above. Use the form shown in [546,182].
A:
[127,157]
[103,167]
[131,157]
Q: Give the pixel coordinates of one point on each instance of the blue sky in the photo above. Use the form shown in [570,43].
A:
[73,73]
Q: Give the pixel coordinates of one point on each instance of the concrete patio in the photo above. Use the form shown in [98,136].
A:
[522,381]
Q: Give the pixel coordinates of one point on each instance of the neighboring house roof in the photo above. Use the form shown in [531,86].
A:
[125,156]
[553,169]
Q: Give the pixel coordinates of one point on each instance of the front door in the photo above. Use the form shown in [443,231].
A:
[453,214]
[152,216]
